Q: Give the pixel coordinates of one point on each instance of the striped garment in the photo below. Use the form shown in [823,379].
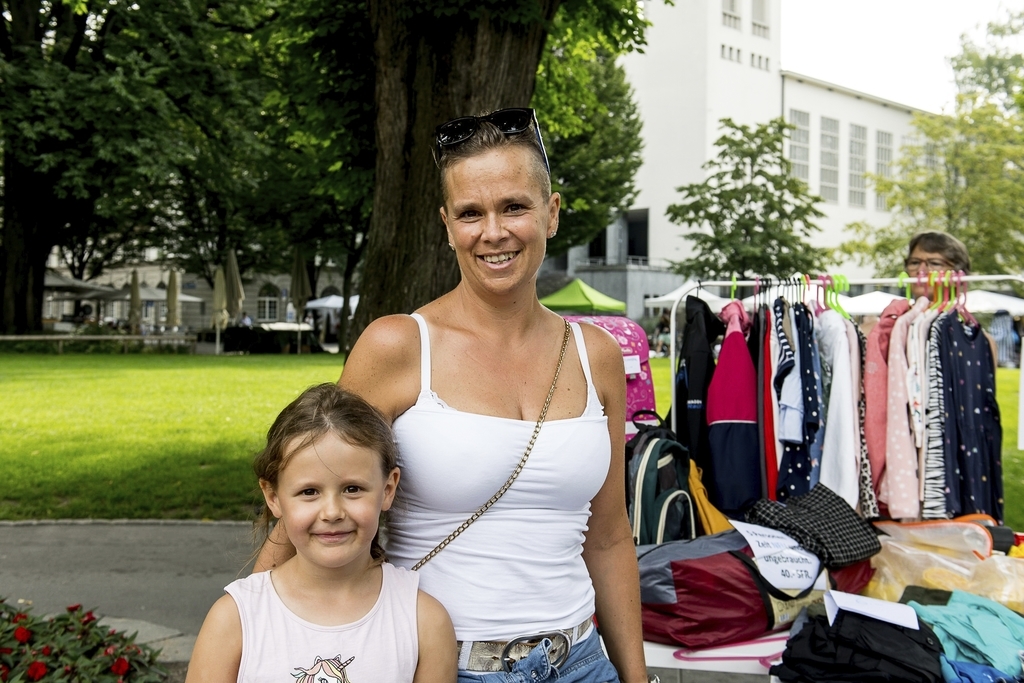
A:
[868,503]
[933,505]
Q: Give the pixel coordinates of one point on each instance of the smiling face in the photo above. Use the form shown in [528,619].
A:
[498,218]
[329,497]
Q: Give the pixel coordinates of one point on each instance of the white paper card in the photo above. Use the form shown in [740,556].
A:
[632,364]
[780,559]
[883,610]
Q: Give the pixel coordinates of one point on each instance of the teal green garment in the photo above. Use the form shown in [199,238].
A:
[976,629]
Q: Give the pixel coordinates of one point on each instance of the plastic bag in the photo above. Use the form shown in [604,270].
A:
[947,555]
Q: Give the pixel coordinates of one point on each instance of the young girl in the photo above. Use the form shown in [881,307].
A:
[334,612]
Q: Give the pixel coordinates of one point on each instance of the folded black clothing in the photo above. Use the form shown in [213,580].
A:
[925,596]
[822,523]
[860,648]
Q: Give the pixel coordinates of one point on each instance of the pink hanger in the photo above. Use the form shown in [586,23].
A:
[961,300]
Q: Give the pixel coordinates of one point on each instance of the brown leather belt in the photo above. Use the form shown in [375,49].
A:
[484,655]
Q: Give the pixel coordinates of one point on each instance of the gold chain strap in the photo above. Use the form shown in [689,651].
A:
[515,473]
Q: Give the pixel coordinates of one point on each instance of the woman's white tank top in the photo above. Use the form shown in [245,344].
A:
[279,646]
[519,568]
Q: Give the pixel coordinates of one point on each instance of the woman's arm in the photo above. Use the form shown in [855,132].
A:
[608,550]
[438,653]
[218,650]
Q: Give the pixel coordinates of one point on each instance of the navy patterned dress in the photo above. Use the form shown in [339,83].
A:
[972,435]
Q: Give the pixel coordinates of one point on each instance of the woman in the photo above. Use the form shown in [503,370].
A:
[937,252]
[464,381]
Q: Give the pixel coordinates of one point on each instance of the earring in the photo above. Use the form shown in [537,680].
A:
[451,246]
[551,235]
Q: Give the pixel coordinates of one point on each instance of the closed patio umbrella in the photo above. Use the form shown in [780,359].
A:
[300,292]
[220,304]
[135,304]
[233,286]
[173,310]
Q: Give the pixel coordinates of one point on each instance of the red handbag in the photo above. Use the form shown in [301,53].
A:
[708,592]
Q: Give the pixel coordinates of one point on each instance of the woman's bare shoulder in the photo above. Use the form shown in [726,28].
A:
[603,350]
[383,366]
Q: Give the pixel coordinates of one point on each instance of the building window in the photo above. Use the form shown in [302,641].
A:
[883,164]
[266,302]
[597,250]
[830,160]
[800,144]
[858,164]
[759,14]
[636,230]
[731,14]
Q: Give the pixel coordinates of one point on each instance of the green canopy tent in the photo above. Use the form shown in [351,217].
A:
[579,297]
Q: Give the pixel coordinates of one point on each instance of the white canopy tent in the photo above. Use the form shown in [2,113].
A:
[334,302]
[714,302]
[872,303]
[980,301]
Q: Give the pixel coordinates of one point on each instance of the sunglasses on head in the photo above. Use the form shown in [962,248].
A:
[508,121]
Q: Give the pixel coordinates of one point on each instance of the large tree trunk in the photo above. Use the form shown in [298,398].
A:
[26,245]
[429,70]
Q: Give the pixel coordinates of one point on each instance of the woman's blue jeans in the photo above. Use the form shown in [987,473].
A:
[587,663]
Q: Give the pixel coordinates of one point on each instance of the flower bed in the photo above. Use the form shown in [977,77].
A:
[70,647]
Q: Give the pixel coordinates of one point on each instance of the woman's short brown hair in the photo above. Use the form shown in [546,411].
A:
[934,242]
[488,137]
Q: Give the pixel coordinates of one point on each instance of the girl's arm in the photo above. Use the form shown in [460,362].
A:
[218,650]
[438,656]
[608,549]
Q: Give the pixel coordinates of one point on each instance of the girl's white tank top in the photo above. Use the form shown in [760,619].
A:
[519,568]
[277,645]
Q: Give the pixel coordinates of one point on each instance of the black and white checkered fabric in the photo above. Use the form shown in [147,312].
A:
[822,523]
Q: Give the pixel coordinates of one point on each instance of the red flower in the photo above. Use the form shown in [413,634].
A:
[22,634]
[19,617]
[120,666]
[110,650]
[3,672]
[74,608]
[36,670]
[47,650]
[5,650]
[88,618]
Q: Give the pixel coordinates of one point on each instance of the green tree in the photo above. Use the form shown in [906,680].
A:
[103,105]
[750,216]
[963,173]
[592,131]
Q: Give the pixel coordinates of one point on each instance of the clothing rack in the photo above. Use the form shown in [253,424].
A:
[816,283]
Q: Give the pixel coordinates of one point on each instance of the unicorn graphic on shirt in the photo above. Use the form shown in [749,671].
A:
[324,671]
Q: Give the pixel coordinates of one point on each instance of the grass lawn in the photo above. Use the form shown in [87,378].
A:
[140,436]
[147,436]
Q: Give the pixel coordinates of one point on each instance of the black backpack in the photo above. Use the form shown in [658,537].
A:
[657,485]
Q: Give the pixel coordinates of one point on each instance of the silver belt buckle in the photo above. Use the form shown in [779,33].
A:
[507,662]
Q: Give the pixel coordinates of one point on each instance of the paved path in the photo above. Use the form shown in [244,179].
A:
[157,578]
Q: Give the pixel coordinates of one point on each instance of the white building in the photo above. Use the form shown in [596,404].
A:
[711,59]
